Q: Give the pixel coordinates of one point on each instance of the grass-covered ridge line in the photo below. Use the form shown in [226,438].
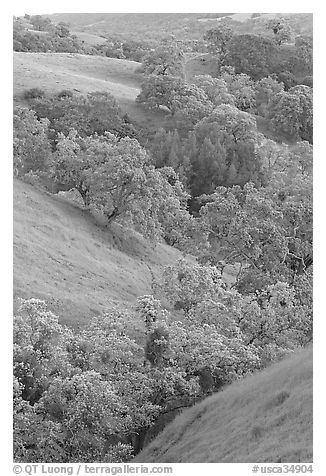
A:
[264,418]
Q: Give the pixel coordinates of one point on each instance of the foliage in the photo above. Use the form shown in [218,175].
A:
[136,49]
[268,230]
[291,112]
[149,310]
[33,93]
[100,407]
[167,151]
[39,22]
[216,89]
[281,29]
[88,409]
[173,93]
[65,93]
[36,33]
[265,91]
[305,95]
[241,87]
[116,178]
[34,438]
[166,59]
[304,50]
[73,162]
[266,323]
[186,103]
[243,226]
[253,55]
[35,353]
[192,106]
[185,284]
[98,112]
[274,321]
[62,30]
[218,40]
[31,145]
[287,78]
[222,150]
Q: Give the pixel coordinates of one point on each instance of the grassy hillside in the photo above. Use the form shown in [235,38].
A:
[264,418]
[89,38]
[53,72]
[71,259]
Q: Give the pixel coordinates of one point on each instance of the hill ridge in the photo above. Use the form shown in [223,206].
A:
[266,417]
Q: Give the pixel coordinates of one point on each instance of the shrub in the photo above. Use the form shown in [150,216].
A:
[288,79]
[33,93]
[65,93]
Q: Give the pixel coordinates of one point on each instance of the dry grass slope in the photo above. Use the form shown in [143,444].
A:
[265,418]
[69,258]
[89,38]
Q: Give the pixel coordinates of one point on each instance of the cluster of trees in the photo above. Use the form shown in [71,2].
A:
[96,113]
[37,126]
[79,147]
[97,395]
[112,174]
[260,55]
[116,47]
[38,34]
[221,144]
[211,136]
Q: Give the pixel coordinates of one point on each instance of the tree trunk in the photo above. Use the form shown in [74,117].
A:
[85,196]
[139,440]
[111,216]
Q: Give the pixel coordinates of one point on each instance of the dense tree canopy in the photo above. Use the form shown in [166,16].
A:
[216,89]
[253,55]
[304,49]
[222,150]
[241,87]
[281,29]
[218,40]
[98,112]
[174,94]
[167,59]
[116,177]
[265,91]
[268,230]
[31,145]
[38,34]
[291,112]
[109,389]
